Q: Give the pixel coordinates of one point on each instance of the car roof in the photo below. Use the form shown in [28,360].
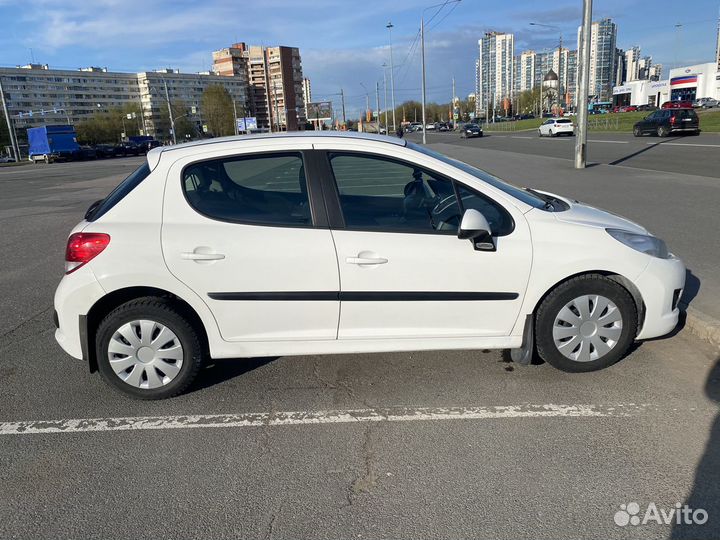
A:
[155,154]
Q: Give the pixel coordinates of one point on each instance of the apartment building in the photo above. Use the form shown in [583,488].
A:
[185,90]
[37,95]
[275,82]
[494,69]
[603,58]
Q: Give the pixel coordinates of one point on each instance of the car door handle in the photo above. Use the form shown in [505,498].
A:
[362,261]
[192,256]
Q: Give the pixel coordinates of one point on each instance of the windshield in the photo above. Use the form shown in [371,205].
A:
[525,196]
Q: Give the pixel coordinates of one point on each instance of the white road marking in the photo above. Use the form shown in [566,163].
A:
[521,137]
[609,142]
[685,144]
[267,419]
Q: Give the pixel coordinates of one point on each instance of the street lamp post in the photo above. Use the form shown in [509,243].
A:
[392,77]
[582,98]
[384,66]
[422,59]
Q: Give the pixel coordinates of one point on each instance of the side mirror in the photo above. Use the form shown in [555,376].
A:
[475,227]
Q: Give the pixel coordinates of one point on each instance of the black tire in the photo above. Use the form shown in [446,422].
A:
[637,132]
[166,313]
[564,293]
[662,131]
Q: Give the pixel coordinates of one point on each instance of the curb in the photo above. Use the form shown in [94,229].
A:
[702,326]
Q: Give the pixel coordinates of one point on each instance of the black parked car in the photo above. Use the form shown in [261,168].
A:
[146,146]
[105,151]
[85,152]
[666,121]
[127,149]
[470,130]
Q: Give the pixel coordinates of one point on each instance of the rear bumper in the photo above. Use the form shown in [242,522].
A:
[660,286]
[74,297]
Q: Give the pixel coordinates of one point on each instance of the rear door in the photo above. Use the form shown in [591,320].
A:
[245,231]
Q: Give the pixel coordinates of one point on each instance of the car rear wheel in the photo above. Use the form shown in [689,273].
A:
[663,131]
[585,324]
[540,133]
[147,349]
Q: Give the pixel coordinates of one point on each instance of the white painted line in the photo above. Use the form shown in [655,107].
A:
[686,144]
[521,137]
[266,419]
[609,142]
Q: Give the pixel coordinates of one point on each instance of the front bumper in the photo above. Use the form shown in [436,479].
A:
[660,286]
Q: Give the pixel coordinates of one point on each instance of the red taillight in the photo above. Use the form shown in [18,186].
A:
[83,248]
[672,119]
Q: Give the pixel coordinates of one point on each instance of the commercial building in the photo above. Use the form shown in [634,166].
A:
[307,93]
[684,83]
[37,95]
[494,70]
[275,82]
[603,59]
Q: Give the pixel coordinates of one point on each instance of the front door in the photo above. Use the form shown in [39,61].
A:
[241,231]
[403,271]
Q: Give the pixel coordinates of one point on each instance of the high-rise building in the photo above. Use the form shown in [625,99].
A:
[717,46]
[527,60]
[603,59]
[632,64]
[275,82]
[494,70]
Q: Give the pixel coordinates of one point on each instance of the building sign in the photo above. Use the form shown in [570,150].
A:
[622,90]
[685,79]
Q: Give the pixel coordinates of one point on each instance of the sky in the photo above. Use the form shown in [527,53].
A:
[343,43]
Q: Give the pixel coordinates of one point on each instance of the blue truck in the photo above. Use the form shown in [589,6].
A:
[52,143]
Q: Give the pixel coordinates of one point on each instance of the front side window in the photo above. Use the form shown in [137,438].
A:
[385,195]
[263,189]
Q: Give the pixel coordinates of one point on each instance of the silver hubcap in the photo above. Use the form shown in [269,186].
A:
[145,354]
[587,328]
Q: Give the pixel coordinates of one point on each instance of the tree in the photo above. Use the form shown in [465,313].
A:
[217,110]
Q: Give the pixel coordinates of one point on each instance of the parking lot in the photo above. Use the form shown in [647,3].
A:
[434,444]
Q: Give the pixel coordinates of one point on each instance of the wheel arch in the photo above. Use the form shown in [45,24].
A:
[624,282]
[90,322]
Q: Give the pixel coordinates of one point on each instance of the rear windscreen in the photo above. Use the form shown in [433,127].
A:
[117,194]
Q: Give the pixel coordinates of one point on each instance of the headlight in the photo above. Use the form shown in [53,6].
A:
[643,243]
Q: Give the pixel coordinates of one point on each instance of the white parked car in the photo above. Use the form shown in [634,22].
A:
[321,243]
[553,127]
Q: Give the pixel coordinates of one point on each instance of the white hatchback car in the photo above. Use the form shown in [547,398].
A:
[314,243]
[553,127]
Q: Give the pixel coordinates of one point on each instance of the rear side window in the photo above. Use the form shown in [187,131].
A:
[563,121]
[117,194]
[265,189]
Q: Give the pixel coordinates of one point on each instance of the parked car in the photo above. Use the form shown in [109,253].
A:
[429,126]
[146,146]
[677,104]
[179,264]
[6,159]
[105,151]
[647,108]
[666,121]
[127,149]
[706,103]
[471,130]
[442,126]
[85,153]
[556,126]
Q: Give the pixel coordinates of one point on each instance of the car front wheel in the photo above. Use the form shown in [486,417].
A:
[637,132]
[147,349]
[585,324]
[662,131]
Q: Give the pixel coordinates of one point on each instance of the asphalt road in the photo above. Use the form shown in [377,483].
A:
[684,154]
[412,445]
